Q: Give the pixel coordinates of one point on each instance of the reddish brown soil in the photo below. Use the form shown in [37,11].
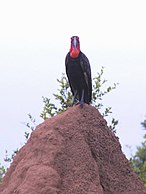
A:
[72,153]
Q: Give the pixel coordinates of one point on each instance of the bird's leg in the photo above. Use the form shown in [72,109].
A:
[82,99]
[74,97]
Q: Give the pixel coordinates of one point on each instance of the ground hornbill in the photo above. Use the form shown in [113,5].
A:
[79,73]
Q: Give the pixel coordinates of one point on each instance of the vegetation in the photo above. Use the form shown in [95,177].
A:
[63,99]
[2,172]
[138,161]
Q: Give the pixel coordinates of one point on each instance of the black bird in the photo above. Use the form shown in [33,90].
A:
[79,73]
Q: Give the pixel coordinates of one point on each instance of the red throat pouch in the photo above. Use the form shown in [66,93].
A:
[74,52]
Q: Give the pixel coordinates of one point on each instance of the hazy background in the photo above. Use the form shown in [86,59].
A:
[34,40]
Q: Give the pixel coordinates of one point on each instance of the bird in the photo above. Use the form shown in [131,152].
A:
[78,72]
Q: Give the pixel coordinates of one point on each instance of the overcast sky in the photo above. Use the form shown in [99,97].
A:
[34,39]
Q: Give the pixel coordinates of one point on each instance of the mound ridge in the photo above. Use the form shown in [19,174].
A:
[72,153]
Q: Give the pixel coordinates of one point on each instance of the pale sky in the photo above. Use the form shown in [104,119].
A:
[34,39]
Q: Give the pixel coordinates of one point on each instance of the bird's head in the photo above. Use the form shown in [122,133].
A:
[75,47]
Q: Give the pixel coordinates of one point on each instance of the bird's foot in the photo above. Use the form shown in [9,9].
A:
[82,99]
[81,104]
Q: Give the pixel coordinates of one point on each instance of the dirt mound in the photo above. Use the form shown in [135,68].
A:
[72,153]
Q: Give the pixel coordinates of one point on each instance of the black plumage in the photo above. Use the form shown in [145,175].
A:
[79,76]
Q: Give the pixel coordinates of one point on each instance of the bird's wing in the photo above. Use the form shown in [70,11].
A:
[66,65]
[85,65]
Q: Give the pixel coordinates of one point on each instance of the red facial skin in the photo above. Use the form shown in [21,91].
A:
[74,50]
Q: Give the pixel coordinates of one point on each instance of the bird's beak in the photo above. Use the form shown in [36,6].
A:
[75,43]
